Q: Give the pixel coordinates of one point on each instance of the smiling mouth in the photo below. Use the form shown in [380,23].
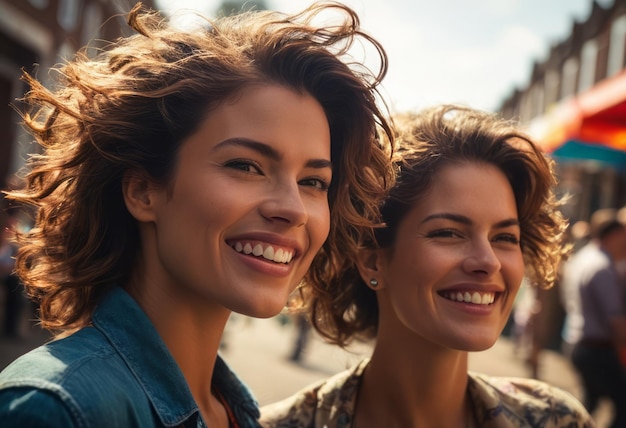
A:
[267,252]
[473,297]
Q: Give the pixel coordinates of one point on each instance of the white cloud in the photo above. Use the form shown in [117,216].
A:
[477,75]
[500,7]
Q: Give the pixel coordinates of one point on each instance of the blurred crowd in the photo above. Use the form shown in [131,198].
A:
[584,314]
[16,309]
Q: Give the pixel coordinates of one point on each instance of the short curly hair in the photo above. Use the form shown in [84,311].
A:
[131,106]
[426,142]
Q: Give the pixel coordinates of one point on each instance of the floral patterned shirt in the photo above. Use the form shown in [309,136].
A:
[499,402]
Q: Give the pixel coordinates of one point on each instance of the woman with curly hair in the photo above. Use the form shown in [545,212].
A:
[186,175]
[471,214]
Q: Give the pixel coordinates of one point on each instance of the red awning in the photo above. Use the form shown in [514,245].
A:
[596,116]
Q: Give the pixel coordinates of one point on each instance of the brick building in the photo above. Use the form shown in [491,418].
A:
[575,106]
[45,32]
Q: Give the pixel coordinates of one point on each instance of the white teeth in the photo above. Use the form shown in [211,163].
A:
[257,250]
[268,253]
[475,298]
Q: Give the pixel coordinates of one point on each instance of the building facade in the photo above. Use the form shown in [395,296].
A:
[575,106]
[34,35]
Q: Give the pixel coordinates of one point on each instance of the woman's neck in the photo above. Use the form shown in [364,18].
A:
[191,330]
[417,385]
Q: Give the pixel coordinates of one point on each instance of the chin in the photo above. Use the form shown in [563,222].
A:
[475,344]
[262,309]
[265,313]
[479,347]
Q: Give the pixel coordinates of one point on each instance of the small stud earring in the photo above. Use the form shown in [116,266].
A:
[373,282]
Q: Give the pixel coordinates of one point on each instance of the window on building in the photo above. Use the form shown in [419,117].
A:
[67,14]
[568,78]
[66,50]
[551,85]
[617,46]
[588,64]
[530,103]
[39,4]
[91,25]
[537,99]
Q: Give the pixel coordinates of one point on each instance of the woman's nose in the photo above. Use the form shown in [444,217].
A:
[285,204]
[482,259]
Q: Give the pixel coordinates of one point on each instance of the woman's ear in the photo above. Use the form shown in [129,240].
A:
[140,196]
[369,263]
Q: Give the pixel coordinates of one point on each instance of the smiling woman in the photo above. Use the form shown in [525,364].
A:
[472,212]
[186,175]
[276,201]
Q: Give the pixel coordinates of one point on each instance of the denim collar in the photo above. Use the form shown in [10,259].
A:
[134,337]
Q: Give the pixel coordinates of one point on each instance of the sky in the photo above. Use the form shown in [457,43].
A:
[474,52]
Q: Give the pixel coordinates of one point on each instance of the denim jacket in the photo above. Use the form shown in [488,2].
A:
[115,373]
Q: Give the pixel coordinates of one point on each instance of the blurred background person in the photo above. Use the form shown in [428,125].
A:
[538,322]
[595,328]
[15,301]
[301,338]
[539,313]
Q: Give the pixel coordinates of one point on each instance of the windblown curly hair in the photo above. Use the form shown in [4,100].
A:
[131,106]
[426,142]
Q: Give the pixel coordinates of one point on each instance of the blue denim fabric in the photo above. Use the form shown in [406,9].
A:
[116,373]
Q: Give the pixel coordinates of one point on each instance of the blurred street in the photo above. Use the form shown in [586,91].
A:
[259,350]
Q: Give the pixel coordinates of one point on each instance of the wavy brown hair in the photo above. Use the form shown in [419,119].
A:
[426,142]
[131,107]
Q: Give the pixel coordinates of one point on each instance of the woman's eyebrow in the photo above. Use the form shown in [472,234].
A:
[467,221]
[449,216]
[507,223]
[269,152]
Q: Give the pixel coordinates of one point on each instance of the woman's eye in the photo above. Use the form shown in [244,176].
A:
[443,233]
[244,165]
[508,237]
[318,183]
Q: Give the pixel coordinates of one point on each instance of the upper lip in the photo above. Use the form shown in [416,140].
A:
[471,287]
